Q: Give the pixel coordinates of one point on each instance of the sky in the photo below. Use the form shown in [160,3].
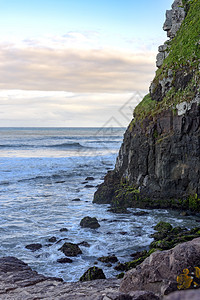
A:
[77,63]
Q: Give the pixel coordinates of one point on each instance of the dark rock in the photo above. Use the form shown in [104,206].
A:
[93,274]
[123,232]
[52,239]
[64,230]
[64,260]
[140,213]
[89,186]
[107,259]
[138,254]
[33,247]
[62,181]
[159,271]
[76,199]
[85,244]
[89,178]
[119,210]
[70,249]
[88,222]
[84,182]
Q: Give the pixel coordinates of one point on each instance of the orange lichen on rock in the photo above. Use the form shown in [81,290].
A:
[184,281]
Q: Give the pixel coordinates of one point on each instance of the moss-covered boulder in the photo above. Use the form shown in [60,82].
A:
[88,222]
[92,274]
[70,249]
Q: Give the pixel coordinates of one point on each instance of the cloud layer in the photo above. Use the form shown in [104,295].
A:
[79,70]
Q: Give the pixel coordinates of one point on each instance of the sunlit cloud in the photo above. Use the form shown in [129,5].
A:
[53,64]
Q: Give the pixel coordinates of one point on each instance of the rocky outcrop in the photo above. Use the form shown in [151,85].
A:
[159,161]
[19,281]
[174,19]
[158,273]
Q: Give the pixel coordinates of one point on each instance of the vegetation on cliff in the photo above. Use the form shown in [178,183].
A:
[179,75]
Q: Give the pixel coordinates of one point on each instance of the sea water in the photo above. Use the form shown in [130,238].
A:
[42,170]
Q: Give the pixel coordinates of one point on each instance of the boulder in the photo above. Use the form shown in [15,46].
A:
[70,249]
[88,222]
[33,247]
[92,274]
[159,271]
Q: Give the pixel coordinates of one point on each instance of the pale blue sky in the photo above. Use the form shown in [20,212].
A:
[58,56]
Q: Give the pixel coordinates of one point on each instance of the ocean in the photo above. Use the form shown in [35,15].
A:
[42,170]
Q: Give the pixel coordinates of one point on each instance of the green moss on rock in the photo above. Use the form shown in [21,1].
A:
[92,274]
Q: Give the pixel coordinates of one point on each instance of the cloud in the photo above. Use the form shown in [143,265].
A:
[40,108]
[35,66]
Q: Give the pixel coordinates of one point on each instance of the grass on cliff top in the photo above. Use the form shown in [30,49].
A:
[184,51]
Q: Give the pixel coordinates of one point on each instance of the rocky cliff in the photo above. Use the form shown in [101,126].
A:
[159,161]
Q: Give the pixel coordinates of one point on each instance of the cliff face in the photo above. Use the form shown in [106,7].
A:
[160,155]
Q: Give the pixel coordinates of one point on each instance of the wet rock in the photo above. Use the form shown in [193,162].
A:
[70,249]
[108,259]
[93,274]
[64,229]
[64,260]
[158,272]
[76,199]
[123,232]
[33,247]
[140,213]
[119,210]
[163,226]
[89,178]
[85,244]
[89,222]
[184,214]
[89,186]
[53,239]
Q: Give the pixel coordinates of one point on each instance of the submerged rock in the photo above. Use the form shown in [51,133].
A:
[70,249]
[89,178]
[92,274]
[108,259]
[33,247]
[84,243]
[53,239]
[64,229]
[64,260]
[89,222]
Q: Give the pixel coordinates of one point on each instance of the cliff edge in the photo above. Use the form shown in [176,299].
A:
[158,164]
